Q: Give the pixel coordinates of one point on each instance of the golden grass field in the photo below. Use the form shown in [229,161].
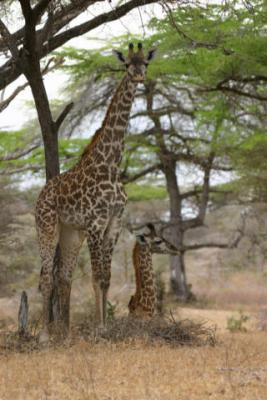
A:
[81,369]
[235,368]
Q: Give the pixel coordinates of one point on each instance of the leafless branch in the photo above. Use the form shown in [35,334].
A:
[57,61]
[8,38]
[5,103]
[25,168]
[20,153]
[132,178]
[63,115]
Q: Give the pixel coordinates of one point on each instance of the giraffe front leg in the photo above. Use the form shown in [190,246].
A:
[96,252]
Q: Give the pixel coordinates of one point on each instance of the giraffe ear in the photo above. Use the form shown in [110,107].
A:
[150,55]
[141,239]
[152,229]
[119,56]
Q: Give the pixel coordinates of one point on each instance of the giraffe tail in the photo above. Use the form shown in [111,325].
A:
[56,264]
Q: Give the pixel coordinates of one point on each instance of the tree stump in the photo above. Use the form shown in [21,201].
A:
[23,315]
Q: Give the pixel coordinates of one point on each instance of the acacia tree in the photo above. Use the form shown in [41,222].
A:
[224,57]
[47,25]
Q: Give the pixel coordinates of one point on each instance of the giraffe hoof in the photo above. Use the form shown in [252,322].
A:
[43,337]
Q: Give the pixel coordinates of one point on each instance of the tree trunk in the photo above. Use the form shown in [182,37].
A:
[49,131]
[178,282]
[48,127]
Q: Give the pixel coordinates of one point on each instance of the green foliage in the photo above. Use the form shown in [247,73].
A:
[138,192]
[236,324]
[215,42]
[200,47]
[111,311]
[14,141]
[11,141]
[251,163]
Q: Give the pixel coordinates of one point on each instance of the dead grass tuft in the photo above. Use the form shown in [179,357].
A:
[13,342]
[121,330]
[176,333]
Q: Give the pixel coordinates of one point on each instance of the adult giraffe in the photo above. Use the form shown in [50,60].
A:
[88,201]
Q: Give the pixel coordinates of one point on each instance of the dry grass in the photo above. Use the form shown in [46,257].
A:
[234,369]
[170,331]
[128,362]
[122,330]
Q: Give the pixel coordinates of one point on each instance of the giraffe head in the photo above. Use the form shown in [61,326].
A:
[155,243]
[136,63]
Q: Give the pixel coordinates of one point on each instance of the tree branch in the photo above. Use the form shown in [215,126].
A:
[20,153]
[132,178]
[63,115]
[10,72]
[5,103]
[223,88]
[12,171]
[194,43]
[11,43]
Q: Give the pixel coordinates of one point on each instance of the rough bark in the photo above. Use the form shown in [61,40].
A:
[178,281]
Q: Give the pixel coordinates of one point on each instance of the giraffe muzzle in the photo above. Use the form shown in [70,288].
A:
[138,78]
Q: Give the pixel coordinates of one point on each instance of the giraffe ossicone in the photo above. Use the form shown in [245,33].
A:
[87,201]
[143,303]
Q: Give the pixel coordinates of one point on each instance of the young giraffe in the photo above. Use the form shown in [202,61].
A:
[88,201]
[143,303]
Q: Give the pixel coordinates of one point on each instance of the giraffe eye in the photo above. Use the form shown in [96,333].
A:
[159,241]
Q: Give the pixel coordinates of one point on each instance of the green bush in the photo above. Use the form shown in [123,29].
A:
[137,192]
[236,324]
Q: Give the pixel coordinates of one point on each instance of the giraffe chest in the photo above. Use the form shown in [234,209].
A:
[89,204]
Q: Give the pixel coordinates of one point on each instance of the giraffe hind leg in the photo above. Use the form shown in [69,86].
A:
[70,243]
[48,240]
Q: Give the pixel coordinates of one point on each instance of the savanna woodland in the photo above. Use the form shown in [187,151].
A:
[133,174]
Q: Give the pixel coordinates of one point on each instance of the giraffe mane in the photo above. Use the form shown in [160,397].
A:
[136,267]
[97,133]
[91,145]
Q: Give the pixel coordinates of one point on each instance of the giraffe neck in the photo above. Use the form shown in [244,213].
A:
[108,142]
[142,260]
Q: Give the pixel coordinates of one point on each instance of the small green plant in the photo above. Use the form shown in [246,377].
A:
[236,324]
[111,311]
